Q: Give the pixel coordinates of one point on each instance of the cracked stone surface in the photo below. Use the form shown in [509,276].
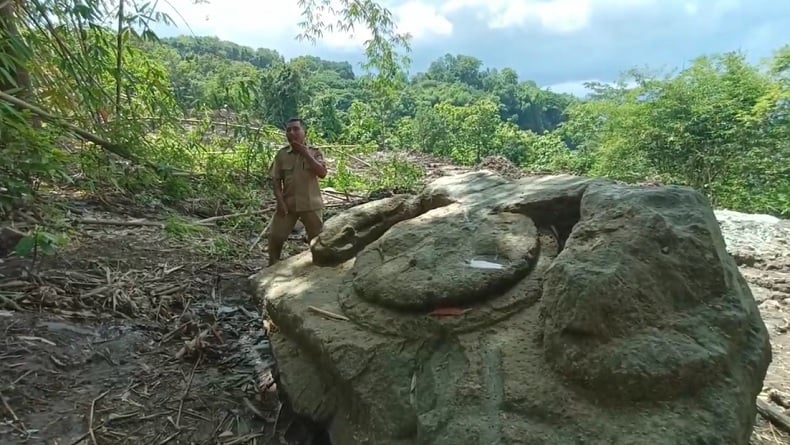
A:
[550,310]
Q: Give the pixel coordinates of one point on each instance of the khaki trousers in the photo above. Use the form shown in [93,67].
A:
[281,225]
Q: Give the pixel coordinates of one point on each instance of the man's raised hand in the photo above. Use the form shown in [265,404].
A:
[299,148]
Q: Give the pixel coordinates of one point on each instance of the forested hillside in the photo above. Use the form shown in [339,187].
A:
[134,207]
[206,71]
[720,125]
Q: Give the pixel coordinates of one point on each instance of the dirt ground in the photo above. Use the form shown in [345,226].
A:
[130,335]
[771,289]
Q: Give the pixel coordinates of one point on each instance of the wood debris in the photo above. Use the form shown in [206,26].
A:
[328,314]
[774,415]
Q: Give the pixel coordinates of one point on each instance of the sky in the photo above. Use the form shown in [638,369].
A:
[559,44]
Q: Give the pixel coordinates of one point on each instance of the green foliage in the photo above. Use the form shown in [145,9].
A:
[343,178]
[30,156]
[40,242]
[195,121]
[396,173]
[468,130]
[180,229]
[720,126]
[548,153]
[222,249]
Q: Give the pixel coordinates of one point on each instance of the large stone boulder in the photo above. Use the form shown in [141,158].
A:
[548,310]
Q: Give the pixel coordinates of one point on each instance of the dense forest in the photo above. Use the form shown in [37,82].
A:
[145,111]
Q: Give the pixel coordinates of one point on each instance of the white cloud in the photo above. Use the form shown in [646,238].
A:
[579,89]
[422,20]
[271,22]
[225,18]
[691,8]
[575,88]
[561,16]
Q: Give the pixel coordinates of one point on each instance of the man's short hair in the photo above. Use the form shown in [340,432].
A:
[296,119]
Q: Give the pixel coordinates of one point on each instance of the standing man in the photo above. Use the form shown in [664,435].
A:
[295,170]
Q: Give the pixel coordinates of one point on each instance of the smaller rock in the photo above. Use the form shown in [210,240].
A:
[346,234]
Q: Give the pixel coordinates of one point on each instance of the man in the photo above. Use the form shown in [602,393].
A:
[295,171]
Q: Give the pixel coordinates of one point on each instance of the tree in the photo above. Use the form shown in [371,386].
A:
[716,126]
[282,94]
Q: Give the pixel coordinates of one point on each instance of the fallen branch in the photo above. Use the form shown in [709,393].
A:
[774,415]
[254,410]
[169,438]
[118,222]
[326,313]
[144,223]
[186,391]
[112,147]
[232,215]
[21,428]
[363,162]
[260,236]
[92,413]
[81,438]
[343,204]
[13,284]
[8,408]
[175,331]
[345,195]
[41,339]
[218,124]
[193,345]
[107,145]
[244,439]
[7,302]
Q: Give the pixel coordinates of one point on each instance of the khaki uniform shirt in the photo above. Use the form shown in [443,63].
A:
[300,185]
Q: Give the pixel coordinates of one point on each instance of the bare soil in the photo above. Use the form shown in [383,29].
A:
[132,335]
[771,288]
[129,335]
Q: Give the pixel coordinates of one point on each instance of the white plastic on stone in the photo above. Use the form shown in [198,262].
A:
[482,264]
